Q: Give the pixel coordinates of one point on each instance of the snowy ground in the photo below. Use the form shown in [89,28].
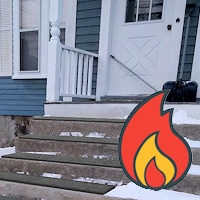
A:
[133,191]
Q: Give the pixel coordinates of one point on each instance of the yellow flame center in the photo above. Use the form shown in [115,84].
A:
[145,155]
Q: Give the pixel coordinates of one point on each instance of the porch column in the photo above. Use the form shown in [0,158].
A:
[104,48]
[54,51]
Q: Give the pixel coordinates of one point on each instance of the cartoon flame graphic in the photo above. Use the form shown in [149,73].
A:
[151,152]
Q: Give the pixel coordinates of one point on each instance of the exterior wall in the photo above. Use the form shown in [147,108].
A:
[22,97]
[191,42]
[88,28]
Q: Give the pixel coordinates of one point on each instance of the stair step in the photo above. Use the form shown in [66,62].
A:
[68,145]
[189,184]
[77,146]
[65,159]
[113,141]
[33,192]
[56,183]
[110,127]
[56,125]
[67,167]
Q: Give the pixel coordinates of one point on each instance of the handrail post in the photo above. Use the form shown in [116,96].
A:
[54,51]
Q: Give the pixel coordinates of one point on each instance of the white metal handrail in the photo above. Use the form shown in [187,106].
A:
[76,72]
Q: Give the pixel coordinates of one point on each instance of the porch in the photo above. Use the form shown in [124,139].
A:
[70,76]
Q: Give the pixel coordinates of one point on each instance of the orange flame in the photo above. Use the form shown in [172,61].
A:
[152,154]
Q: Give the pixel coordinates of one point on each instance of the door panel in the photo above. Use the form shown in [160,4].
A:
[145,44]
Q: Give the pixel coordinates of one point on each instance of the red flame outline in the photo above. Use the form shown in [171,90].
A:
[176,178]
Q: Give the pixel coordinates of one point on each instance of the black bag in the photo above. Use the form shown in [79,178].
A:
[181,91]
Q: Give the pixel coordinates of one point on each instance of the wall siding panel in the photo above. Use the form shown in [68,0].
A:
[22,97]
[88,28]
[190,44]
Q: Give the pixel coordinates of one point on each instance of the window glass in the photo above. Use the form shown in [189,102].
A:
[29,10]
[29,51]
[29,31]
[131,9]
[143,10]
[157,8]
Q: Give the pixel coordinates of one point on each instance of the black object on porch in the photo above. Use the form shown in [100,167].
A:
[180,90]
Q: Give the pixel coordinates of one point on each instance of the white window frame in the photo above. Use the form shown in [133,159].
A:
[43,39]
[8,71]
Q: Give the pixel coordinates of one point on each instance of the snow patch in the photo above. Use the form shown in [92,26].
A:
[99,181]
[64,134]
[44,153]
[96,135]
[50,175]
[84,156]
[75,134]
[101,156]
[192,143]
[181,117]
[132,191]
[6,151]
[23,173]
[194,170]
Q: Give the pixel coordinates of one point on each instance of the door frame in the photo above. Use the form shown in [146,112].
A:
[106,25]
[196,60]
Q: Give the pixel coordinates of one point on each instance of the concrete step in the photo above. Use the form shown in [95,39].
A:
[109,127]
[57,125]
[71,168]
[34,187]
[66,167]
[77,146]
[69,145]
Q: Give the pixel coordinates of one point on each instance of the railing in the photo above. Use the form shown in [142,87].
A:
[76,73]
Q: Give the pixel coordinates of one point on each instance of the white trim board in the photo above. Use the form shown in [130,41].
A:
[109,110]
[70,31]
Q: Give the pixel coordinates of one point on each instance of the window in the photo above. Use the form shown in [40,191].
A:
[31,32]
[144,10]
[30,38]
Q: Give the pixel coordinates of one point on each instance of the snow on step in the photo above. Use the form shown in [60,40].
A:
[132,191]
[99,181]
[79,134]
[51,175]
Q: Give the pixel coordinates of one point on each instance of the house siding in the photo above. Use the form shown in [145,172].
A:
[87,30]
[22,97]
[191,42]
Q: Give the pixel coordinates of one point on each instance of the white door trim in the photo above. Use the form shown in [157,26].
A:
[70,31]
[107,8]
[195,67]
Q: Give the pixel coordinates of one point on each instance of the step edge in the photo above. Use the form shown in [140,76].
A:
[50,182]
[111,141]
[51,158]
[52,118]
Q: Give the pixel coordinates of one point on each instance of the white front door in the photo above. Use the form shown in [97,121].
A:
[147,39]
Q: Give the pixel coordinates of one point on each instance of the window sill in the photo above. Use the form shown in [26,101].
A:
[29,76]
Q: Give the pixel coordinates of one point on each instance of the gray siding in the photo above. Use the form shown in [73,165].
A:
[22,97]
[88,28]
[191,42]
